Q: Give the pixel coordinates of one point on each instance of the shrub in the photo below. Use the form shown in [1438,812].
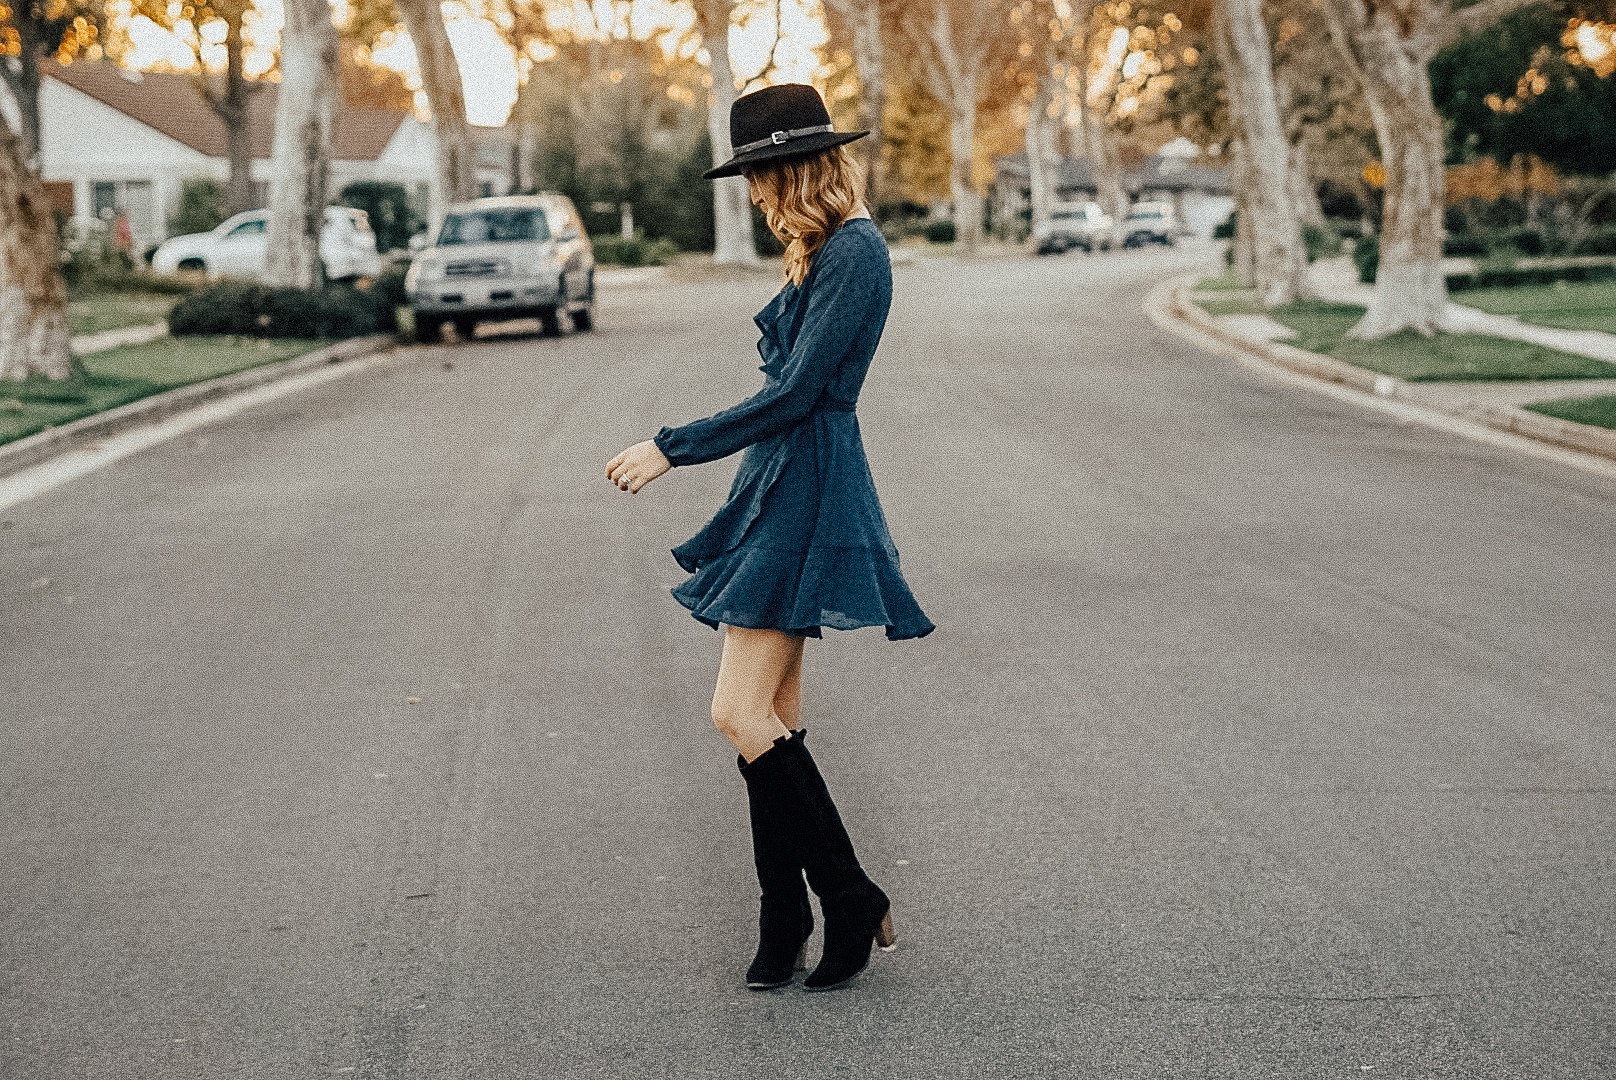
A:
[1600,242]
[248,309]
[200,208]
[1454,245]
[1321,242]
[388,207]
[1505,277]
[615,251]
[1528,241]
[940,231]
[1366,254]
[1226,229]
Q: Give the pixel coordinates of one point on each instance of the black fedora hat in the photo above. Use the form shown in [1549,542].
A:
[778,123]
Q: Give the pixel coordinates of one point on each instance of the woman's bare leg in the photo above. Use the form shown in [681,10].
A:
[751,674]
[788,699]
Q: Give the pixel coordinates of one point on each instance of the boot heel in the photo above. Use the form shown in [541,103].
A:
[801,963]
[885,935]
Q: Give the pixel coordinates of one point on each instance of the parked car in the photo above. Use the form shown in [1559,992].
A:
[1150,223]
[1073,225]
[504,258]
[240,247]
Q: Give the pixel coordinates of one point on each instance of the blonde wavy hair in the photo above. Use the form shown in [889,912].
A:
[807,199]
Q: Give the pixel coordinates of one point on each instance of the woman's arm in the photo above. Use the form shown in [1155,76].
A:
[839,303]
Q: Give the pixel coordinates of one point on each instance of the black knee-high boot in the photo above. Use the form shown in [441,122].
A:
[857,912]
[785,917]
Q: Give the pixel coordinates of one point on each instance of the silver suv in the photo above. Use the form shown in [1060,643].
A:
[505,258]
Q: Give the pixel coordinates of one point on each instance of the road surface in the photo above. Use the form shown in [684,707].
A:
[1261,736]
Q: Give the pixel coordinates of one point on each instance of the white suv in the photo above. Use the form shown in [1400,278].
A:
[240,247]
[1073,224]
[504,258]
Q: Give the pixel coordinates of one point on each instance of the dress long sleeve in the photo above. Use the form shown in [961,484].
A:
[838,306]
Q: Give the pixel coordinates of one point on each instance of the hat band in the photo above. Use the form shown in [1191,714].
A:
[780,137]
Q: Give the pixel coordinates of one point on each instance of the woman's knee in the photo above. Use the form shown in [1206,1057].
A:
[729,718]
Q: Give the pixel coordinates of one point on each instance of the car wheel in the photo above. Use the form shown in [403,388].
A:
[465,327]
[583,319]
[428,329]
[550,319]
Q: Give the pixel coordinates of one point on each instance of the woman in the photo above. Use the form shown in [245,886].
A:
[801,542]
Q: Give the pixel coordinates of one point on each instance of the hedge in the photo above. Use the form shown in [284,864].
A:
[247,309]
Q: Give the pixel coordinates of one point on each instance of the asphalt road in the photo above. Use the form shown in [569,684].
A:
[1261,736]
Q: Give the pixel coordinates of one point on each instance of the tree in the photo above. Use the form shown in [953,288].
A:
[445,95]
[228,93]
[953,41]
[733,240]
[862,19]
[302,149]
[33,296]
[1389,48]
[1263,188]
[1523,87]
[31,30]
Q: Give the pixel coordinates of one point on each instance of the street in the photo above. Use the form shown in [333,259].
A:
[1261,736]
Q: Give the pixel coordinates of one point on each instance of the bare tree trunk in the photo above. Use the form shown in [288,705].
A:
[961,150]
[33,297]
[231,107]
[302,150]
[869,58]
[37,35]
[1389,51]
[440,78]
[950,69]
[1040,178]
[23,84]
[733,242]
[1099,146]
[1279,257]
[1107,168]
[1304,196]
[1243,246]
[1410,291]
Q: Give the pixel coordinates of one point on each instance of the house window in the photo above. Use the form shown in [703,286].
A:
[485,189]
[104,199]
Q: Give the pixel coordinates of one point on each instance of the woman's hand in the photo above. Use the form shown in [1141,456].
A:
[637,466]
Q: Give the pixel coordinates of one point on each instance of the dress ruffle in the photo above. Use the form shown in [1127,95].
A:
[762,587]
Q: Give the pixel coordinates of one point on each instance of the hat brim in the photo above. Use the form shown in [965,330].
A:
[806,146]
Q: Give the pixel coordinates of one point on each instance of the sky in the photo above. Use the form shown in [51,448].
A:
[489,70]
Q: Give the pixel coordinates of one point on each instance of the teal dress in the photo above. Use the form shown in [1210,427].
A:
[801,542]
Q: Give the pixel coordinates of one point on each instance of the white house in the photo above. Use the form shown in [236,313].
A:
[116,140]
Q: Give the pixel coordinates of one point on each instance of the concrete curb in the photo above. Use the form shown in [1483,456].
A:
[1171,300]
[46,444]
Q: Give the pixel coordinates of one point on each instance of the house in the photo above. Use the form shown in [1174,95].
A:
[1200,192]
[124,141]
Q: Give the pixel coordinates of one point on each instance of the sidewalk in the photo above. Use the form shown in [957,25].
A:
[1336,281]
[1489,411]
[84,344]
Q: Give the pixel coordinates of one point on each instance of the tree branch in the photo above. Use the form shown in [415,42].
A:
[1474,19]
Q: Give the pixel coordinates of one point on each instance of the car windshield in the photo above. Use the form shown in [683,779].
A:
[1148,215]
[494,226]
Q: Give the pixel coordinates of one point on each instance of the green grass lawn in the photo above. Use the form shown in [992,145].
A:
[1322,328]
[1598,411]
[1568,305]
[118,376]
[113,311]
[1224,282]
